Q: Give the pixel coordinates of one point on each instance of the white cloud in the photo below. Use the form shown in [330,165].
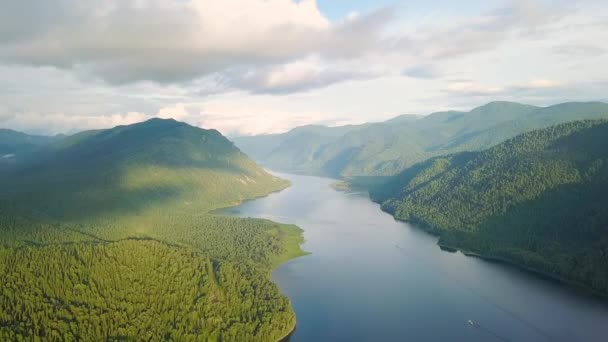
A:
[124,41]
[177,112]
[297,76]
[541,83]
[231,119]
[267,65]
[62,123]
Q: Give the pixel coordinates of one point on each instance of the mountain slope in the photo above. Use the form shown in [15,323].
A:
[295,150]
[538,200]
[120,219]
[14,142]
[15,145]
[132,166]
[384,149]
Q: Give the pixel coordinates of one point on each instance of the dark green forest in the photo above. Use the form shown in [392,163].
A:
[539,200]
[108,235]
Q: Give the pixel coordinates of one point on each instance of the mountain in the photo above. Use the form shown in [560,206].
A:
[120,242]
[387,148]
[539,200]
[13,144]
[296,149]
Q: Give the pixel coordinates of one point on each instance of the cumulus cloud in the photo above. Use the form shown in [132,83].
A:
[66,64]
[264,46]
[125,41]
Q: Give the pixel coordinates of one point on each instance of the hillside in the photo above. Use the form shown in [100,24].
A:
[14,145]
[295,150]
[538,200]
[116,228]
[387,148]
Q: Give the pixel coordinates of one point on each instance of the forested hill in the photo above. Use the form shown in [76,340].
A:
[539,200]
[387,148]
[130,167]
[107,235]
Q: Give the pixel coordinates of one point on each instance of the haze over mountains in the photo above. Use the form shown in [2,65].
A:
[384,149]
[519,183]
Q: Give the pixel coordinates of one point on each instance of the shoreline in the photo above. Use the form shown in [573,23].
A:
[573,285]
[290,253]
[215,211]
[286,337]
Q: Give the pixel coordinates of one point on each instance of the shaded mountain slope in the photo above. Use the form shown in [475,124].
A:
[115,227]
[539,200]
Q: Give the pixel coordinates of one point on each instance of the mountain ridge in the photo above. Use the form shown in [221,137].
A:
[386,148]
[537,200]
[116,227]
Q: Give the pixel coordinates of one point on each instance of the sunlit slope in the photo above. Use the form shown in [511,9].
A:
[119,220]
[387,148]
[539,200]
[131,167]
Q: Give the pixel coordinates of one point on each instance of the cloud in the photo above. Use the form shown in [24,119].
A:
[64,63]
[472,88]
[234,120]
[424,71]
[238,120]
[260,46]
[63,123]
[577,50]
[472,35]
[123,41]
[298,76]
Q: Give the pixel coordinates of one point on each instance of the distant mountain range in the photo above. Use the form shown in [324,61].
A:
[387,148]
[14,144]
[539,200]
[513,182]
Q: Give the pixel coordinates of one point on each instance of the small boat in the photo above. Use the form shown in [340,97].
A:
[472,323]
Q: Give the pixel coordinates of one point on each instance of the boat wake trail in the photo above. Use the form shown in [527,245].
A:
[487,331]
[546,336]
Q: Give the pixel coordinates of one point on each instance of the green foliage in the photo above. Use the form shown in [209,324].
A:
[538,200]
[107,235]
[144,290]
[387,148]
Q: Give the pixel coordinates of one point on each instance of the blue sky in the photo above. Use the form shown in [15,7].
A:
[266,66]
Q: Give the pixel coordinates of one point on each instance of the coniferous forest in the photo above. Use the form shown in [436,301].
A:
[108,235]
[537,200]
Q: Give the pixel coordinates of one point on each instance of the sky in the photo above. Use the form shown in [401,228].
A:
[249,67]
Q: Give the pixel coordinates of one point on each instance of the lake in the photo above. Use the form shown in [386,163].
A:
[371,278]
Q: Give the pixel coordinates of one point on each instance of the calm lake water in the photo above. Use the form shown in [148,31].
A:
[371,278]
